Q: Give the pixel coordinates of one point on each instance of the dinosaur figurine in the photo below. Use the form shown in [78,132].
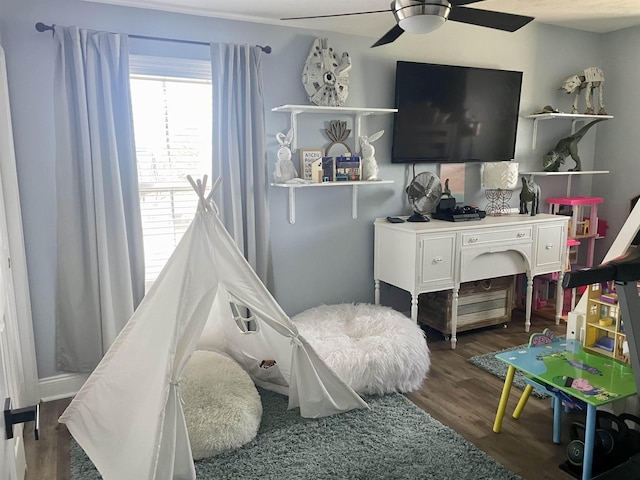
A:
[565,147]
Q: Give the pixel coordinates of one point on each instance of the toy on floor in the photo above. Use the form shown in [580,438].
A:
[267,364]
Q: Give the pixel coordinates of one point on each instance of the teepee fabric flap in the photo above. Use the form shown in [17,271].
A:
[118,415]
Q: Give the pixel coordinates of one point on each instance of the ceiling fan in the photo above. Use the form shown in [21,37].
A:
[415,16]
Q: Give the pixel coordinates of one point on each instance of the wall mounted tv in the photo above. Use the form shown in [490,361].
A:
[453,114]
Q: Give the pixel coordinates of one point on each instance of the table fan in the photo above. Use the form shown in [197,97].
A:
[423,194]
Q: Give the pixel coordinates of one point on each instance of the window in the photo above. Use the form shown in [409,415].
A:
[172,126]
[245,320]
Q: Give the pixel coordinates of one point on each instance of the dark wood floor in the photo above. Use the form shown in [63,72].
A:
[456,393]
[465,398]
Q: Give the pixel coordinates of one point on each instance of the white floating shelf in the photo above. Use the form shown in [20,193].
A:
[343,110]
[550,174]
[565,174]
[574,117]
[354,195]
[359,113]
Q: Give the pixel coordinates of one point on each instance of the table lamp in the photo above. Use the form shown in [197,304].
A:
[499,178]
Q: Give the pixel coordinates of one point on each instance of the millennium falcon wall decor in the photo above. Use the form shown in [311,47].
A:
[325,78]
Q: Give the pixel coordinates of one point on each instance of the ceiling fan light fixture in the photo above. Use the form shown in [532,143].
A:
[420,17]
[421,24]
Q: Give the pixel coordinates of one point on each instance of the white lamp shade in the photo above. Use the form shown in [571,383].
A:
[500,175]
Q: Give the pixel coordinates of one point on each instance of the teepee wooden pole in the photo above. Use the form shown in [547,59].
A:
[200,187]
[214,187]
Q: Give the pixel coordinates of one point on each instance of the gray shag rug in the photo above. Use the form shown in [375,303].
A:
[489,363]
[395,439]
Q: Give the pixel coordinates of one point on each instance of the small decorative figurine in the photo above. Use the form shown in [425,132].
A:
[565,147]
[325,78]
[447,190]
[587,80]
[369,164]
[338,133]
[530,193]
[285,170]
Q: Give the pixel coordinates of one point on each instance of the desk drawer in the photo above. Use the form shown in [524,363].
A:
[436,259]
[499,260]
[482,237]
[550,247]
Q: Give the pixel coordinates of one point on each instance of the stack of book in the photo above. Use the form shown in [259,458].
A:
[348,168]
[340,169]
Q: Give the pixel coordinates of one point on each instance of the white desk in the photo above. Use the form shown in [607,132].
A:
[440,255]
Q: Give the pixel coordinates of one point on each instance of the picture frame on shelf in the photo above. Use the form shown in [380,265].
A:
[309,156]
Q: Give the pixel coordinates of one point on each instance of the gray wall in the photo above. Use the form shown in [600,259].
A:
[326,256]
[618,146]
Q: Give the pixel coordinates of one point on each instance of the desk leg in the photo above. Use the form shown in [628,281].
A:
[589,440]
[559,297]
[502,406]
[454,315]
[376,291]
[414,307]
[527,321]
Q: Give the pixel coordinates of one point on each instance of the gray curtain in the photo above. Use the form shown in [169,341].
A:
[100,263]
[239,151]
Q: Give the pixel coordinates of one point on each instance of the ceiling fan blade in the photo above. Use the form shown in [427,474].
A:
[389,37]
[336,15]
[457,3]
[487,18]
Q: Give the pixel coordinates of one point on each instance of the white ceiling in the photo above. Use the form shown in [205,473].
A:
[598,16]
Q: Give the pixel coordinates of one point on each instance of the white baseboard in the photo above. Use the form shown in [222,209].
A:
[61,386]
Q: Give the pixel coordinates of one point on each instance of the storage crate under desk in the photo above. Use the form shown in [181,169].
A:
[480,304]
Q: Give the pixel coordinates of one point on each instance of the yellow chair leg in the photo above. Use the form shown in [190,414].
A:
[523,401]
[502,406]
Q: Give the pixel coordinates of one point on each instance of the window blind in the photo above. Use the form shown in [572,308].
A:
[172,124]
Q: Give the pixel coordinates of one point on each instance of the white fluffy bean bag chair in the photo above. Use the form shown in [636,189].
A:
[374,349]
[221,404]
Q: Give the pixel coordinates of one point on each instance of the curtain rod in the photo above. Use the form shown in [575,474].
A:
[41,27]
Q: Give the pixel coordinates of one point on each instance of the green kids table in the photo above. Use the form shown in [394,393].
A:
[563,367]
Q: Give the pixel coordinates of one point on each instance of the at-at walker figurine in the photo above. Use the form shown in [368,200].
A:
[587,80]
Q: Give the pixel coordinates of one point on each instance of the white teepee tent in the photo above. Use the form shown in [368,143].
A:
[128,415]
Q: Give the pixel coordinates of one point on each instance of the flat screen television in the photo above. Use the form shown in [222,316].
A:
[454,114]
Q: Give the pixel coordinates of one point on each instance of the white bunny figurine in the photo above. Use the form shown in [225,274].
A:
[369,164]
[285,170]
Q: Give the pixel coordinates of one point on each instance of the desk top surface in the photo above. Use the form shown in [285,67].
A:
[513,220]
[563,364]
